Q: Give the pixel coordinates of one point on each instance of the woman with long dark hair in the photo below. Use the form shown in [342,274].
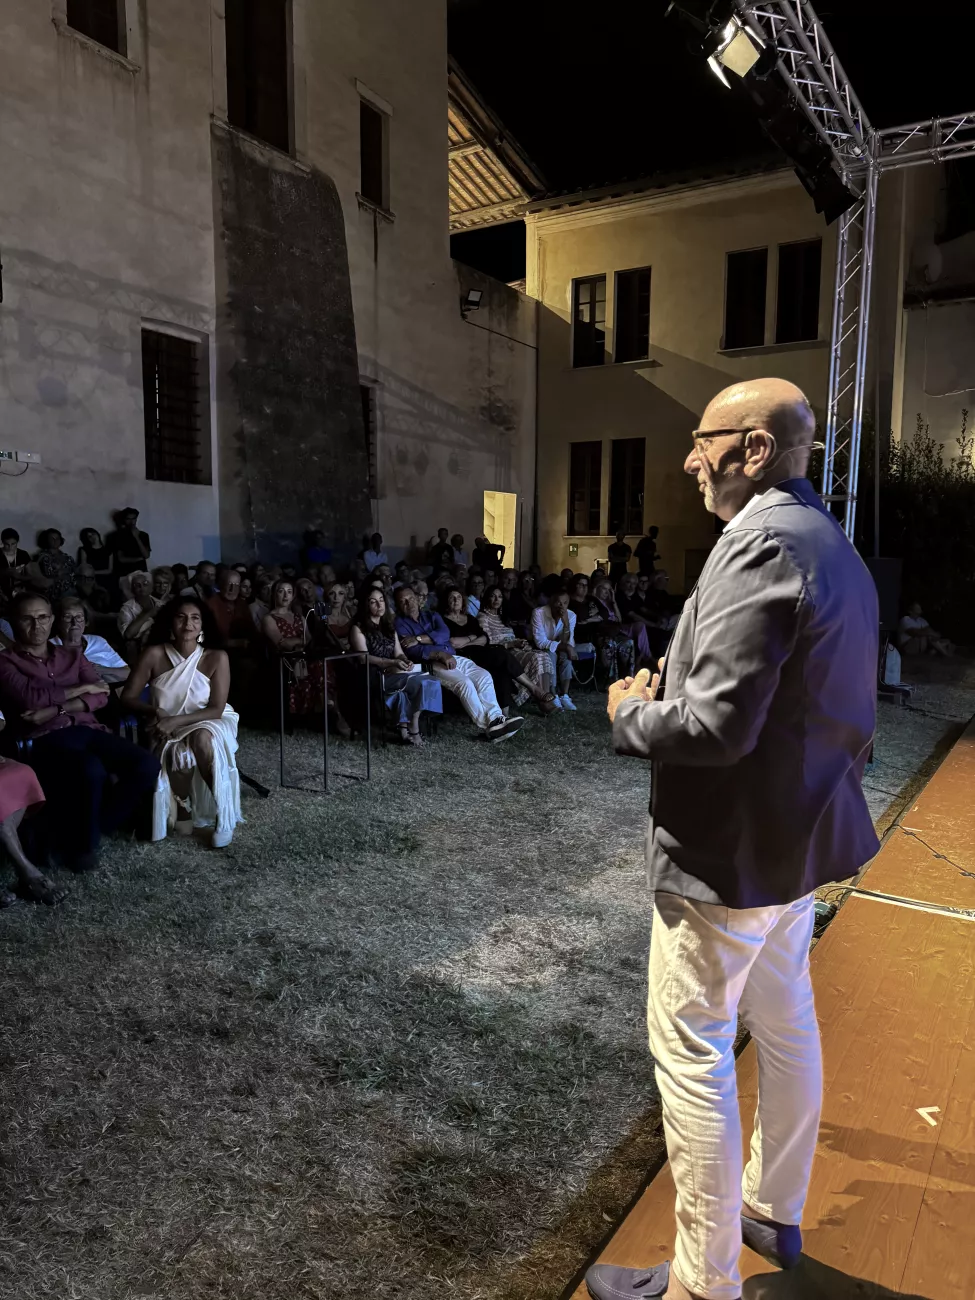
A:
[393,676]
[192,727]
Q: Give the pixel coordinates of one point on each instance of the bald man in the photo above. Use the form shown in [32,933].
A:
[758,729]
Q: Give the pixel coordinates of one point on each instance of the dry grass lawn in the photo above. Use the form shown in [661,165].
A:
[390,1041]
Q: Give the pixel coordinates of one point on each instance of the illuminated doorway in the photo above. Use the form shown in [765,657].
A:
[499,522]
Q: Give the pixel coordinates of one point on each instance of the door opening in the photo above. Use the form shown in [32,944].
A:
[500,513]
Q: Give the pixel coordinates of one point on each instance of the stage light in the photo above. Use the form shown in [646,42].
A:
[717,31]
[739,49]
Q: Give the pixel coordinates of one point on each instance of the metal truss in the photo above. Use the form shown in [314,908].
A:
[810,68]
[848,350]
[938,140]
[808,64]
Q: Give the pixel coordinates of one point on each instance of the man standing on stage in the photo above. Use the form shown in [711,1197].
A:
[758,730]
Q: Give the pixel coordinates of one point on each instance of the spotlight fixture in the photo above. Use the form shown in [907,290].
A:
[718,32]
[471,301]
[740,50]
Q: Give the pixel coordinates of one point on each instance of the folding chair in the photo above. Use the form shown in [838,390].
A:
[584,668]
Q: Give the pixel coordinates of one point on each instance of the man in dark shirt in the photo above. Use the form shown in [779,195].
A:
[646,550]
[49,695]
[204,581]
[487,555]
[130,547]
[619,556]
[441,552]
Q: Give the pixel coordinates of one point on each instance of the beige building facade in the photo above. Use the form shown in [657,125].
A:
[682,236]
[694,286]
[228,293]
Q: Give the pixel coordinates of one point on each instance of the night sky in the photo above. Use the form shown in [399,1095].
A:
[617,94]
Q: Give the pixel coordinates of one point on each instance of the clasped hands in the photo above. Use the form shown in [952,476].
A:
[641,687]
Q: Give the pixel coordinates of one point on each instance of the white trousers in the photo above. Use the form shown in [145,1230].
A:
[707,963]
[473,687]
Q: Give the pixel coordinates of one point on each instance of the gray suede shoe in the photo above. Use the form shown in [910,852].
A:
[779,1243]
[610,1282]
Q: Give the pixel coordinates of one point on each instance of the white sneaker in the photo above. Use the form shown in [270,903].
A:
[557,702]
[567,704]
[221,839]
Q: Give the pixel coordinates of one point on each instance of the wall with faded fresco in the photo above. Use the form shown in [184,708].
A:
[127,201]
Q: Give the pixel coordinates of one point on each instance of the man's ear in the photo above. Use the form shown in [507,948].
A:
[759,451]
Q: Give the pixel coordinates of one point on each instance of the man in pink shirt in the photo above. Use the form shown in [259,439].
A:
[93,780]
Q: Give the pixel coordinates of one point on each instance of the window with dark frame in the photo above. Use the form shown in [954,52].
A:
[589,321]
[797,292]
[372,155]
[744,304]
[585,488]
[631,338]
[626,485]
[101,20]
[367,395]
[171,384]
[258,70]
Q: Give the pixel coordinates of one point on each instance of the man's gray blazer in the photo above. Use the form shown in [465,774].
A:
[766,710]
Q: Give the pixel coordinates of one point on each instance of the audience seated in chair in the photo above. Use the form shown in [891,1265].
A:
[13,562]
[598,621]
[916,636]
[469,640]
[425,638]
[475,590]
[70,621]
[21,795]
[149,593]
[394,680]
[192,728]
[638,612]
[499,633]
[521,602]
[286,634]
[553,634]
[49,695]
[204,582]
[96,598]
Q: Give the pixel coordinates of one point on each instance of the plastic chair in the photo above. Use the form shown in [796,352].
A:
[584,668]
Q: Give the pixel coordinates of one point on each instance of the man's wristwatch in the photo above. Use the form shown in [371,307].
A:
[62,711]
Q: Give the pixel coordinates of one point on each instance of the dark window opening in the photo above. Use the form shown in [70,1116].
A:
[99,19]
[959,198]
[367,395]
[589,321]
[744,307]
[632,339]
[172,397]
[797,295]
[258,99]
[626,481]
[372,155]
[585,487]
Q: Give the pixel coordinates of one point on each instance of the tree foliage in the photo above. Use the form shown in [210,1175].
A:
[927,519]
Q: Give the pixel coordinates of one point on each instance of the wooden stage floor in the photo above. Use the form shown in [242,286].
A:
[891,1209]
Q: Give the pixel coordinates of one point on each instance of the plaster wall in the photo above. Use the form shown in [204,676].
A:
[684,238]
[106,221]
[127,200]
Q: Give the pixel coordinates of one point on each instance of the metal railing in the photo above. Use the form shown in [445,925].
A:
[326,773]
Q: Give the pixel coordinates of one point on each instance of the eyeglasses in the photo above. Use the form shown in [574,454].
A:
[698,434]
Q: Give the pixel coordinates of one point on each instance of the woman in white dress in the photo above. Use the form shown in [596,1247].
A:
[193,729]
